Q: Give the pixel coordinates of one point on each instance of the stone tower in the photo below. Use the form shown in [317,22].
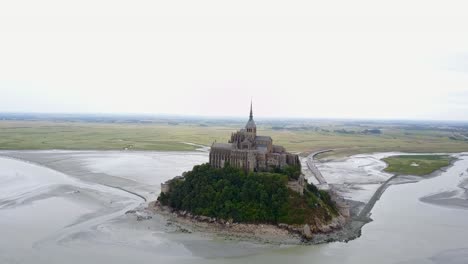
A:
[251,127]
[251,152]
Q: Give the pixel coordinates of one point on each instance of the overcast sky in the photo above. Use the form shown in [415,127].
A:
[343,59]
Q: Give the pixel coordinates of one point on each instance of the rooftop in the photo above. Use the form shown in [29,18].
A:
[222,146]
[263,138]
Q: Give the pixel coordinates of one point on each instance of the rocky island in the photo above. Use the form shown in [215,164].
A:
[249,181]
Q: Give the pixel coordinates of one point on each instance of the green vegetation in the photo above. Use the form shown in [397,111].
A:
[416,164]
[229,193]
[296,136]
[293,172]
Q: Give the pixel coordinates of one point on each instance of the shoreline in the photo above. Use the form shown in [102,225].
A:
[277,234]
[271,234]
[366,211]
[340,230]
[70,223]
[262,233]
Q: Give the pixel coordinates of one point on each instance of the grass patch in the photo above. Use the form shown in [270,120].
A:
[160,136]
[416,164]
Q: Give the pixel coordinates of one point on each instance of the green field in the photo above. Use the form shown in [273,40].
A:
[416,164]
[296,136]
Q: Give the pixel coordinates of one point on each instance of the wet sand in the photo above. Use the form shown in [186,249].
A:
[77,203]
[455,196]
[64,207]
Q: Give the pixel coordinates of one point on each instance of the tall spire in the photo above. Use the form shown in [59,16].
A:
[250,126]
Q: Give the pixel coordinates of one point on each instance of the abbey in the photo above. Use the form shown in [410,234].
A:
[251,152]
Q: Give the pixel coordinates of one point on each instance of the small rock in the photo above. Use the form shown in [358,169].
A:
[306,232]
[204,218]
[325,229]
[143,217]
[183,230]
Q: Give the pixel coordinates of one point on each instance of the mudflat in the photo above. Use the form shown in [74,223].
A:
[81,206]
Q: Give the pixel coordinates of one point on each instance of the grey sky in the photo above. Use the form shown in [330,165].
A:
[347,59]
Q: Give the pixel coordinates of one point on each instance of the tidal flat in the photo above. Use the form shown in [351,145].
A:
[72,207]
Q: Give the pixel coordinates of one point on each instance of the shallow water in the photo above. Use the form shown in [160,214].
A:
[60,209]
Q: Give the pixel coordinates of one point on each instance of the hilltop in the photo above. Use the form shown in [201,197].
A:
[229,195]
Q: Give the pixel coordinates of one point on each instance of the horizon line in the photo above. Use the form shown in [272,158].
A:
[231,116]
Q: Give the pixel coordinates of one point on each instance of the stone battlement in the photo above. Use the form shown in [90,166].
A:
[249,151]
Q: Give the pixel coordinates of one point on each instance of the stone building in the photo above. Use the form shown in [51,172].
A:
[251,152]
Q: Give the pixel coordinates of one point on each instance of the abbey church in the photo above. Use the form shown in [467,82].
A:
[247,150]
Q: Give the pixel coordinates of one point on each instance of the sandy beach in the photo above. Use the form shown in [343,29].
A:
[66,206]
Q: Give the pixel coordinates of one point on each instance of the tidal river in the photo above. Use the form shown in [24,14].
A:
[77,207]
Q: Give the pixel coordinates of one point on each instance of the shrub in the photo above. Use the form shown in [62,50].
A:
[230,193]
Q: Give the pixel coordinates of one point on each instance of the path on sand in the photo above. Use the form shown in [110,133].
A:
[311,165]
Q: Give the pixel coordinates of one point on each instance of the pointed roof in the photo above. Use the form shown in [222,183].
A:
[251,122]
